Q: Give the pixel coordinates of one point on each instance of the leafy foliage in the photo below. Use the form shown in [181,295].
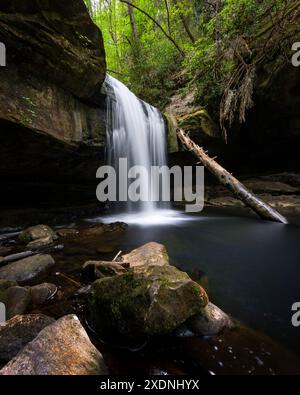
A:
[158,46]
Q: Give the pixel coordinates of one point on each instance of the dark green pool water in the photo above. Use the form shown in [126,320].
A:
[253,266]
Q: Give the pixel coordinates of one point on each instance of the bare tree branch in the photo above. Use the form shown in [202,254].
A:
[158,25]
[168,15]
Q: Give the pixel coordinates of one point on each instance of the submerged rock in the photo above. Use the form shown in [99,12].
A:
[39,243]
[67,233]
[16,300]
[42,292]
[28,269]
[37,232]
[210,321]
[18,331]
[97,230]
[148,254]
[149,300]
[100,269]
[62,348]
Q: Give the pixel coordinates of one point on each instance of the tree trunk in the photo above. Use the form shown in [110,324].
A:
[186,25]
[187,28]
[132,22]
[157,24]
[168,16]
[235,186]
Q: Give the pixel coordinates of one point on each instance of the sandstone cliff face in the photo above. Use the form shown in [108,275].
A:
[52,113]
[55,40]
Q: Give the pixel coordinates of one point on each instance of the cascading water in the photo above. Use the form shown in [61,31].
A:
[135,131]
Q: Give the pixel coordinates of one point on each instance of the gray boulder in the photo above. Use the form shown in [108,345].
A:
[148,254]
[210,321]
[5,284]
[28,269]
[18,331]
[62,348]
[42,292]
[16,300]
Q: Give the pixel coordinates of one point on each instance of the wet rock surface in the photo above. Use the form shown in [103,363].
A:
[28,269]
[192,347]
[152,298]
[148,254]
[37,232]
[18,331]
[40,293]
[5,284]
[97,230]
[16,300]
[210,322]
[62,348]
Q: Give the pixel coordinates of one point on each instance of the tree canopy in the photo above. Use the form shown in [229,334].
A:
[159,46]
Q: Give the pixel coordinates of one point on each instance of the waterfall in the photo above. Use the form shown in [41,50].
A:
[136,131]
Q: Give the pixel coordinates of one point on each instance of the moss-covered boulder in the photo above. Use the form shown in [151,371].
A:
[37,232]
[146,300]
[199,121]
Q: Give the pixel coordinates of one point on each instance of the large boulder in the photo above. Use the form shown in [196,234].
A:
[27,270]
[62,348]
[146,300]
[19,331]
[148,254]
[16,300]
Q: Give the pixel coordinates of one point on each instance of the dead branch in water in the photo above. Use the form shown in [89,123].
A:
[264,210]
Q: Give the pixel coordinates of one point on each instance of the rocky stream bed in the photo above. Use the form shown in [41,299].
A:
[74,309]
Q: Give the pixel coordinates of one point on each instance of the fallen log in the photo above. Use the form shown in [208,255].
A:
[16,257]
[7,236]
[264,210]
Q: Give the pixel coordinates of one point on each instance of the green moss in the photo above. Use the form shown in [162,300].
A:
[25,237]
[199,120]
